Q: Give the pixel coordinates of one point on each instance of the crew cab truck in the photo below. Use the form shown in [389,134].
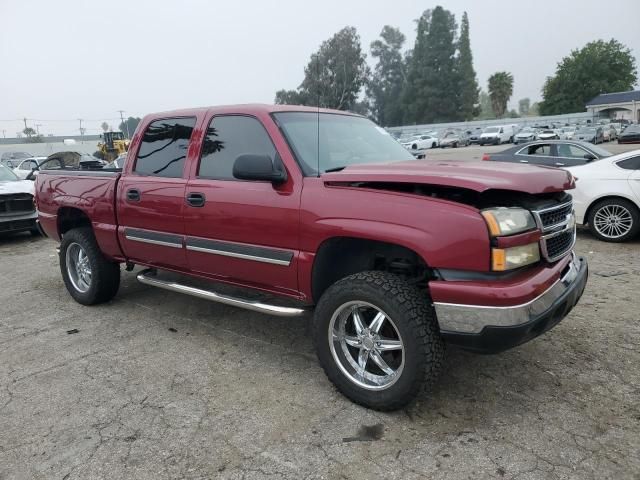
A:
[324,210]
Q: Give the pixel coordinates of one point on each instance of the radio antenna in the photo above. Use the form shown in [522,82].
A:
[318,110]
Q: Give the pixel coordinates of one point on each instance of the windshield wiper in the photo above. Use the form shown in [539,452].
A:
[335,169]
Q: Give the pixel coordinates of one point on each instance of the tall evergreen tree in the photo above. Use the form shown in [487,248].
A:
[384,88]
[432,79]
[469,90]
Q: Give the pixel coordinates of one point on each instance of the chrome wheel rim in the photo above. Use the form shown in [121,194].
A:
[366,345]
[78,267]
[613,221]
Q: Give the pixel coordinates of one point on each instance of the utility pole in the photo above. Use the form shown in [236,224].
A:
[25,122]
[81,131]
[38,125]
[126,124]
[4,133]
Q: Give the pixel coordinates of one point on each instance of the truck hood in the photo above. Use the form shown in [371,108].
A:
[20,186]
[477,176]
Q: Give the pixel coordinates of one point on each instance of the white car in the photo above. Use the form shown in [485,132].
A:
[16,203]
[607,196]
[420,142]
[549,134]
[26,166]
[569,132]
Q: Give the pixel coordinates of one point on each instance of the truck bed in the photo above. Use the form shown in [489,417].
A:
[92,192]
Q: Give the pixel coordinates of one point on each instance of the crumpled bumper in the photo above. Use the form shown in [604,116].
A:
[490,329]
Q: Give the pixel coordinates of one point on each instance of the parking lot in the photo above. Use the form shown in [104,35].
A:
[158,385]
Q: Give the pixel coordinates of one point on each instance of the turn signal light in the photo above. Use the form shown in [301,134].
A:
[486,156]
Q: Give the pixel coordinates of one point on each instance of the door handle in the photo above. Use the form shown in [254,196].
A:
[558,164]
[524,161]
[196,199]
[133,195]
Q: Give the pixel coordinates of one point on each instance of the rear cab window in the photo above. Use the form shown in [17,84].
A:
[164,146]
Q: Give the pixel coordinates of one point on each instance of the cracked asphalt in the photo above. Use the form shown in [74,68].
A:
[155,385]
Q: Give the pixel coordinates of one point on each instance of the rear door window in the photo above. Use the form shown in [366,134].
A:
[540,149]
[164,147]
[632,163]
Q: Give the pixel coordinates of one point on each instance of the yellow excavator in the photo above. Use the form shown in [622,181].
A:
[112,145]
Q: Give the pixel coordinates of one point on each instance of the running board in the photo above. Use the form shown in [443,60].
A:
[256,306]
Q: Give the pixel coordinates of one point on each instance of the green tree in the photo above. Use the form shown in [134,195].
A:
[469,90]
[129,125]
[384,88]
[334,75]
[486,112]
[524,105]
[598,67]
[32,136]
[500,91]
[534,110]
[432,79]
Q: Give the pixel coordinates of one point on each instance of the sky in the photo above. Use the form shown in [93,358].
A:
[69,59]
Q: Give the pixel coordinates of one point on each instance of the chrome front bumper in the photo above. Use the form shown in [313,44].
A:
[472,319]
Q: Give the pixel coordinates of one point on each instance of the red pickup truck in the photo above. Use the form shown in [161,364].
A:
[323,208]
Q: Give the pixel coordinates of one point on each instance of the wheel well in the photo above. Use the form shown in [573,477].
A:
[585,220]
[69,218]
[343,256]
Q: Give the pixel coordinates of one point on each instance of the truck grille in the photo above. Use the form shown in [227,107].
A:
[558,227]
[17,225]
[555,216]
[16,204]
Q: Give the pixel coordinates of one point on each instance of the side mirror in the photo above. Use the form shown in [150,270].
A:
[259,167]
[589,157]
[32,174]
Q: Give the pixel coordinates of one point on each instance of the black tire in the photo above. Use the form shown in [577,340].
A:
[35,232]
[612,203]
[414,147]
[433,145]
[105,275]
[455,145]
[414,319]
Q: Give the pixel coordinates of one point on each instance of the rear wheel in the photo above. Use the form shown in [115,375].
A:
[614,220]
[89,277]
[377,339]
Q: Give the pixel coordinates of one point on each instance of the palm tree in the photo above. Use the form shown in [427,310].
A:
[500,90]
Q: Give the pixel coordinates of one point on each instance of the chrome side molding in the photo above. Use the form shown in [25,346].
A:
[147,278]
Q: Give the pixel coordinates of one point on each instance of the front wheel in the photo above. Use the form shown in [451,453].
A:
[614,220]
[89,277]
[377,339]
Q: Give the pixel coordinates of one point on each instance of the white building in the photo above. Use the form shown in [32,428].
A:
[616,106]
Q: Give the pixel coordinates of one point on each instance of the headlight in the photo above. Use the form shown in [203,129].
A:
[507,221]
[515,257]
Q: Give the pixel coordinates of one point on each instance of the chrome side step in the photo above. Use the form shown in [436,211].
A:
[147,279]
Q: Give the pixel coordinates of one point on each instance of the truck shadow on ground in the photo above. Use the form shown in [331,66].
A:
[470,389]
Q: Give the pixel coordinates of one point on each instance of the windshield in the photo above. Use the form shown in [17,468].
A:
[527,130]
[340,141]
[6,175]
[491,129]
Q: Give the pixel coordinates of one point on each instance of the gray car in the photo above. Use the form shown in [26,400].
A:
[554,153]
